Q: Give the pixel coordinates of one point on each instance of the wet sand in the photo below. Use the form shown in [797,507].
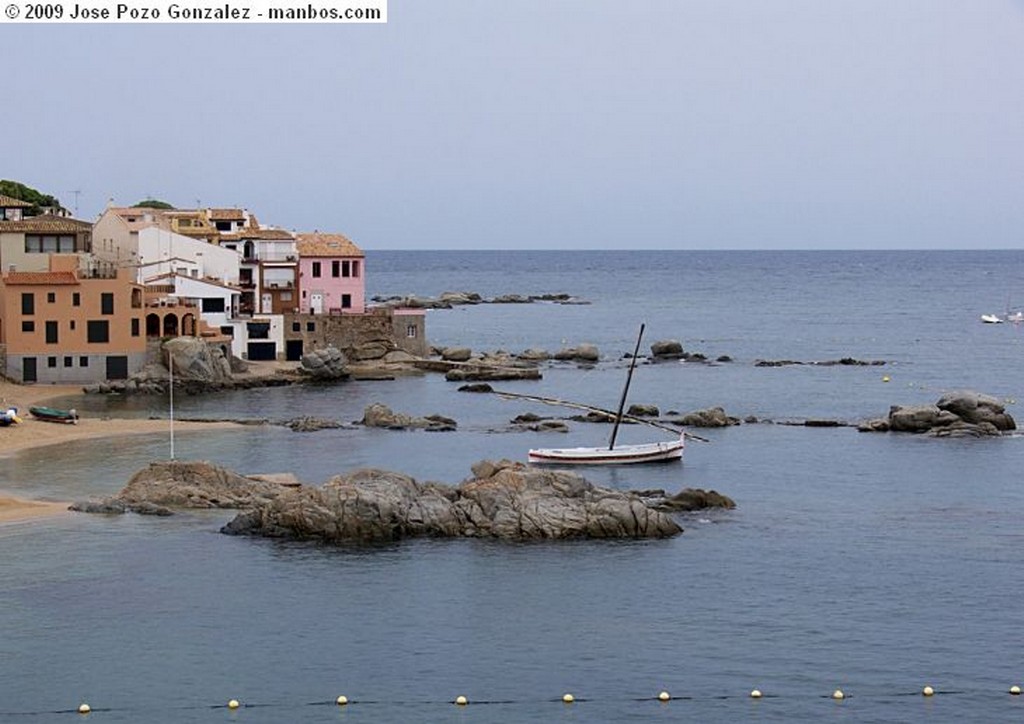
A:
[33,433]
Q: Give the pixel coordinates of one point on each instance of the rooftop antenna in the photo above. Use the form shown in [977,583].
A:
[77,193]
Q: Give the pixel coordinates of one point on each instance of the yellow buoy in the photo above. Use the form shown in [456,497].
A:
[838,695]
[233,704]
[664,696]
[461,700]
[755,694]
[1015,690]
[885,378]
[341,700]
[928,691]
[568,698]
[84,708]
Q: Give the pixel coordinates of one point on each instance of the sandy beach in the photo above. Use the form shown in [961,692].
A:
[33,433]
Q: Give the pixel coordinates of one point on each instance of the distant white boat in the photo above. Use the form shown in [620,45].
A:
[991,319]
[651,452]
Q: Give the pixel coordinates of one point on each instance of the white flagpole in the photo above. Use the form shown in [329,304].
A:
[170,365]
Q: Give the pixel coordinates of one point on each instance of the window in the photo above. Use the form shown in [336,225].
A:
[76,299]
[135,327]
[98,331]
[83,361]
[51,333]
[310,326]
[258,330]
[286,296]
[68,361]
[28,303]
[346,301]
[296,326]
[28,326]
[213,304]
[49,243]
[72,325]
[355,268]
[51,297]
[410,331]
[51,361]
[335,269]
[107,303]
[346,269]
[316,269]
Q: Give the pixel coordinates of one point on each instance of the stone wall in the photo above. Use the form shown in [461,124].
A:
[379,328]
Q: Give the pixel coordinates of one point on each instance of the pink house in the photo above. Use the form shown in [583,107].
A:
[332,275]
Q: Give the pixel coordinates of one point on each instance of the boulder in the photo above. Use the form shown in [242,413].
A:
[459,298]
[194,360]
[502,500]
[379,415]
[456,354]
[689,500]
[643,411]
[583,353]
[370,350]
[667,349]
[711,417]
[326,363]
[976,408]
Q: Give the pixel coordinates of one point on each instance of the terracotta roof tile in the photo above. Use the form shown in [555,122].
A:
[317,244]
[11,203]
[40,278]
[227,214]
[267,234]
[46,223]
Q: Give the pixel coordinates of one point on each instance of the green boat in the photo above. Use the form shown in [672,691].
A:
[52,414]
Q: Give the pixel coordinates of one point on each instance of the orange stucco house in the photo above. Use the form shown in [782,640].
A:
[68,326]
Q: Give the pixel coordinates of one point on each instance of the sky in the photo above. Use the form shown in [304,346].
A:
[571,124]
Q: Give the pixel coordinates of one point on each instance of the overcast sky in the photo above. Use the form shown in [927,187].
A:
[690,124]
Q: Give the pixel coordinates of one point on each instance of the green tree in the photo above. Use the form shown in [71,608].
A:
[20,191]
[153,204]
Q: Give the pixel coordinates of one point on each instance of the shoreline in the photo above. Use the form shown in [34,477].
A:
[32,433]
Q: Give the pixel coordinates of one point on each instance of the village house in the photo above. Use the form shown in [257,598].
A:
[63,326]
[26,242]
[12,209]
[331,275]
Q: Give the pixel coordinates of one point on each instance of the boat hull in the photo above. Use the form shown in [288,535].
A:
[50,414]
[622,455]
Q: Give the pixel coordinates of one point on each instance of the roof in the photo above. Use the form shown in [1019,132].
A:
[47,223]
[227,214]
[317,244]
[199,280]
[267,234]
[9,202]
[41,278]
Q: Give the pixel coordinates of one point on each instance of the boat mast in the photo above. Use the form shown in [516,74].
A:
[625,390]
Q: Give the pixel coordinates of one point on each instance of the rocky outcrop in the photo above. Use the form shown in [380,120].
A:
[162,486]
[503,500]
[688,500]
[480,372]
[587,353]
[667,349]
[447,300]
[956,414]
[641,410]
[711,417]
[842,362]
[194,360]
[379,415]
[324,364]
[456,354]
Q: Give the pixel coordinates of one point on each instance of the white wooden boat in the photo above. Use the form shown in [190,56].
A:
[991,319]
[612,455]
[623,454]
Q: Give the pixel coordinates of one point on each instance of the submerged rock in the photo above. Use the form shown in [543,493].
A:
[379,415]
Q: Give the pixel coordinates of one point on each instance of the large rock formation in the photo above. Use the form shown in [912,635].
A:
[160,486]
[710,417]
[502,500]
[196,361]
[956,414]
[326,363]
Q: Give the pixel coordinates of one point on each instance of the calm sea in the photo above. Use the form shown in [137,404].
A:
[872,563]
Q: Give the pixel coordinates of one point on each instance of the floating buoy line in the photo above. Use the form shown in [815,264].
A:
[86,710]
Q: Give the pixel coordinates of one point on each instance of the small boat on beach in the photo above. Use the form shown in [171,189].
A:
[9,417]
[52,414]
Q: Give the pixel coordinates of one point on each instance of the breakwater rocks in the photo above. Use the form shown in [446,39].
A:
[502,500]
[956,414]
[447,300]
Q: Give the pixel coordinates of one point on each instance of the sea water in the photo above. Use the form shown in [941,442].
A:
[872,563]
